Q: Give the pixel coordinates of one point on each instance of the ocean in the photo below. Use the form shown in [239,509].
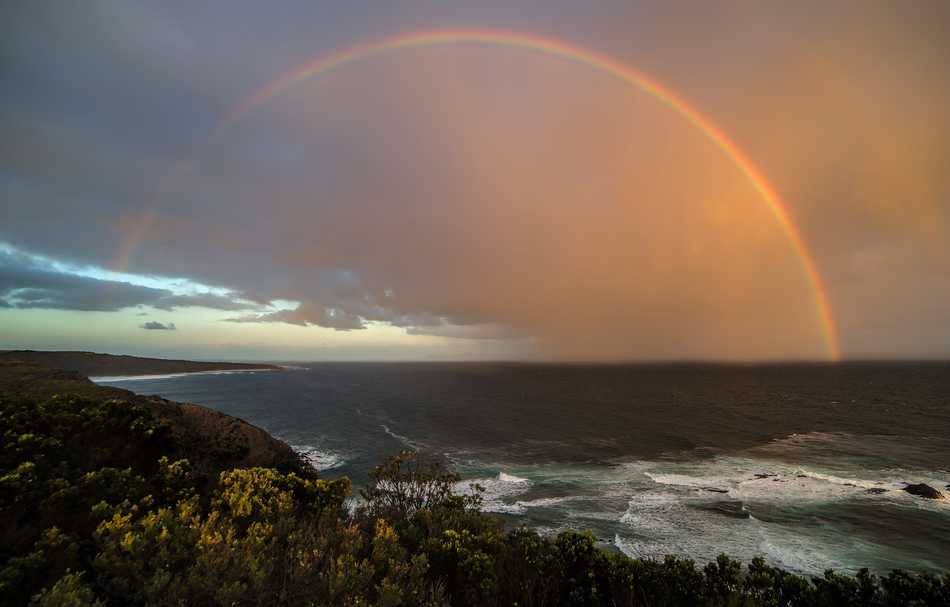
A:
[803,464]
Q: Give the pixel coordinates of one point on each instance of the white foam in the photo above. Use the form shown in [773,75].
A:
[698,482]
[511,478]
[751,479]
[665,523]
[545,502]
[676,510]
[746,504]
[495,491]
[102,379]
[501,507]
[626,547]
[794,552]
[319,459]
[352,503]
[405,440]
[843,481]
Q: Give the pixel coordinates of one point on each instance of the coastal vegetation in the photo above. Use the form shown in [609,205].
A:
[93,364]
[105,502]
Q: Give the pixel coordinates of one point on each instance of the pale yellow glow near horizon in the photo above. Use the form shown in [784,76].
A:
[202,333]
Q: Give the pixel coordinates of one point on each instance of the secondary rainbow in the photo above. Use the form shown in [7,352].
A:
[327,63]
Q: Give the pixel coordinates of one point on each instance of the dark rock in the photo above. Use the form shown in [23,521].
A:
[924,490]
[715,490]
[764,475]
[876,490]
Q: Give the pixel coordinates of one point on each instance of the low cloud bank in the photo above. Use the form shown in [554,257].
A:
[153,325]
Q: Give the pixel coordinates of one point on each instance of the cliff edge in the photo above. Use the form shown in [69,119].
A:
[212,441]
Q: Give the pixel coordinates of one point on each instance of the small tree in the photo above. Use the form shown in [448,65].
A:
[408,484]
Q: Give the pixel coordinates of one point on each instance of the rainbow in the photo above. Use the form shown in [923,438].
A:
[327,63]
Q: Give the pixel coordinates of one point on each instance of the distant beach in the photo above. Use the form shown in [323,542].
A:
[119,378]
[108,367]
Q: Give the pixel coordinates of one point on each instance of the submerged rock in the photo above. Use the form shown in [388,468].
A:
[876,490]
[924,490]
[732,509]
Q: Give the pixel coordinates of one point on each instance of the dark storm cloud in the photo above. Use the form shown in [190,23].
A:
[370,200]
[157,326]
[30,286]
[26,283]
[205,300]
[351,314]
[305,315]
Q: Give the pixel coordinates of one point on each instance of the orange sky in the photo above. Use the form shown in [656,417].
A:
[483,201]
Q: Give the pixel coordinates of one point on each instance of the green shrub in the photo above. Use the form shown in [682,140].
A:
[94,511]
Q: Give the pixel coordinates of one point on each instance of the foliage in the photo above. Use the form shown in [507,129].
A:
[93,512]
[68,591]
[408,484]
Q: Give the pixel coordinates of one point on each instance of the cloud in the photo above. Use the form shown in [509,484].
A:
[157,326]
[204,300]
[353,314]
[28,282]
[307,314]
[474,191]
[29,286]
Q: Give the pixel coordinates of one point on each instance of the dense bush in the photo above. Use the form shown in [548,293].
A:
[93,512]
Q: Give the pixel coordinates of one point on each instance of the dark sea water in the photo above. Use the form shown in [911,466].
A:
[654,459]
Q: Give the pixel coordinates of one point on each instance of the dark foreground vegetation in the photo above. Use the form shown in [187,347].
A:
[98,506]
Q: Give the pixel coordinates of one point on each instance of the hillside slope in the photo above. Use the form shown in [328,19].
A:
[211,440]
[92,364]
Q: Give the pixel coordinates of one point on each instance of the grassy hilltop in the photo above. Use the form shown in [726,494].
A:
[110,498]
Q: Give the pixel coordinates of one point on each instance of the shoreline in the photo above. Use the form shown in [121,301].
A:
[109,368]
[106,379]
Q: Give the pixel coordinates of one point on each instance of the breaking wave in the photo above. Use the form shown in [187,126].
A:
[800,516]
[107,379]
[495,491]
[405,440]
[318,458]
